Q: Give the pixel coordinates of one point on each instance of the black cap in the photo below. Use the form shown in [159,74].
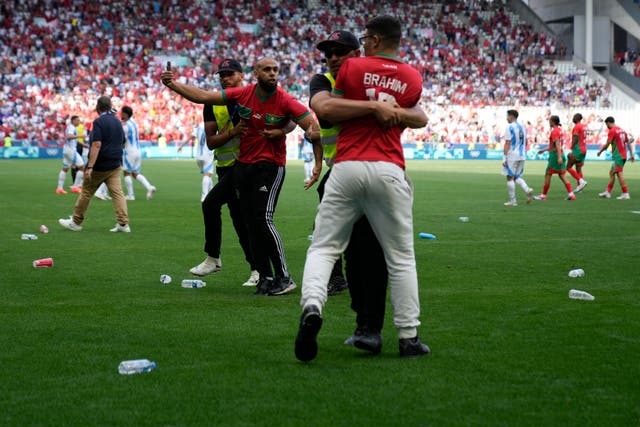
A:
[341,37]
[609,120]
[229,65]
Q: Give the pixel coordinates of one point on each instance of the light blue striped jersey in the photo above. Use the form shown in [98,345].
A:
[201,141]
[131,134]
[71,129]
[517,134]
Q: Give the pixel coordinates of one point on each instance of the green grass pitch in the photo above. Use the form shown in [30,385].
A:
[509,346]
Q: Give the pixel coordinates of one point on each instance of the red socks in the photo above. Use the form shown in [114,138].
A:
[575,175]
[568,187]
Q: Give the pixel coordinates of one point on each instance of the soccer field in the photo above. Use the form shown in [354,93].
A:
[509,346]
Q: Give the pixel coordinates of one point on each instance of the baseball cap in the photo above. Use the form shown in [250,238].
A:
[339,37]
[229,65]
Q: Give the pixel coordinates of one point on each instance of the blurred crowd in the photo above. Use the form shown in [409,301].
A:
[58,56]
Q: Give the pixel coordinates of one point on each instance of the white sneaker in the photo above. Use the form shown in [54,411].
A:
[121,229]
[605,195]
[511,203]
[208,266]
[101,196]
[129,197]
[580,186]
[150,192]
[624,196]
[69,224]
[253,279]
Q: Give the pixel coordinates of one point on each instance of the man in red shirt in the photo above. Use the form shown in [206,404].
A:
[578,152]
[368,178]
[259,172]
[557,162]
[619,140]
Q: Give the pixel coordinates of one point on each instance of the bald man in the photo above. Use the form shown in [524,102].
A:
[265,109]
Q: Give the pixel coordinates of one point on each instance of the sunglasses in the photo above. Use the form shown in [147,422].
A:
[337,51]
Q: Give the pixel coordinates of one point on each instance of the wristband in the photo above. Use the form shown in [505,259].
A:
[89,167]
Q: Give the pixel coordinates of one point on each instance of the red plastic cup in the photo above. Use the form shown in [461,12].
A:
[44,262]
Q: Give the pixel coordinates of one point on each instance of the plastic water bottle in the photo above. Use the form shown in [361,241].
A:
[576,294]
[129,367]
[193,283]
[578,272]
[426,236]
[29,237]
[463,219]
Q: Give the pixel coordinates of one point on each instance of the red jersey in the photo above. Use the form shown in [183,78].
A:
[381,78]
[619,138]
[580,130]
[273,112]
[555,135]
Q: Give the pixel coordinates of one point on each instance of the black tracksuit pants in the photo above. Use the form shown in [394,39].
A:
[224,193]
[258,185]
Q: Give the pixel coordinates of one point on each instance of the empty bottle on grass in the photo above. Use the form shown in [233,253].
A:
[129,367]
[193,283]
[576,294]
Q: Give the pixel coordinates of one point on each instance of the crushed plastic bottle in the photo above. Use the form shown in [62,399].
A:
[29,237]
[578,272]
[577,294]
[129,367]
[193,283]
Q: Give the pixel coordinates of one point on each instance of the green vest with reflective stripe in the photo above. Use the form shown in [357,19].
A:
[329,136]
[226,154]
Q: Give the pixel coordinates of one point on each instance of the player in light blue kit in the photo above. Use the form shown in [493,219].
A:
[71,158]
[131,158]
[204,159]
[307,156]
[515,147]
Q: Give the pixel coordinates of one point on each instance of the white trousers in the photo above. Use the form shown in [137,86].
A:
[382,192]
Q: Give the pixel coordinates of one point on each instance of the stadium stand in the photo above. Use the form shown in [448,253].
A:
[57,57]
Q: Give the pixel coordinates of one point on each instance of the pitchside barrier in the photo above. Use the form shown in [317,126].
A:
[411,152]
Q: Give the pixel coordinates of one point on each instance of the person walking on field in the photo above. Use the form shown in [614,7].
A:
[578,152]
[557,162]
[622,148]
[368,177]
[515,146]
[71,158]
[105,160]
[221,132]
[260,169]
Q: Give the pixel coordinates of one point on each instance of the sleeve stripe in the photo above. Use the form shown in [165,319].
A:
[302,116]
[224,96]
[338,91]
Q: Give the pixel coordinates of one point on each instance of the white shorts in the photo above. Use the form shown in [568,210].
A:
[513,168]
[70,157]
[132,161]
[205,164]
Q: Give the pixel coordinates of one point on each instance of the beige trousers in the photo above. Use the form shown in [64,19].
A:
[89,186]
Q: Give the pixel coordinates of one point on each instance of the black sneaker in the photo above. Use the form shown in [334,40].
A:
[281,286]
[337,284]
[368,340]
[413,347]
[310,324]
[352,338]
[264,286]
